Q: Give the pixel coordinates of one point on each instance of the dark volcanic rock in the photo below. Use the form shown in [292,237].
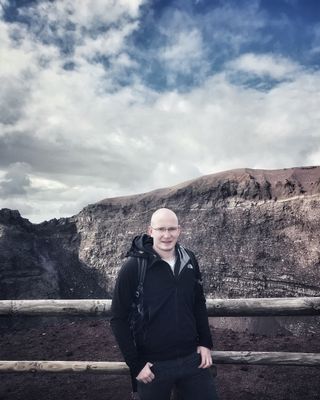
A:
[256,234]
[41,261]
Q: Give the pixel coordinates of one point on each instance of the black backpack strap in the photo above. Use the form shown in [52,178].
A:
[142,268]
[195,265]
[137,320]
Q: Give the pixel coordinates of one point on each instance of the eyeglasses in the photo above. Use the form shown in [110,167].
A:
[171,229]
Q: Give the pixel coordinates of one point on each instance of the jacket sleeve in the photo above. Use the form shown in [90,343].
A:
[123,297]
[200,309]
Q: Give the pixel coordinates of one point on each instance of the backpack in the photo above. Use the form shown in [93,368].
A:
[137,321]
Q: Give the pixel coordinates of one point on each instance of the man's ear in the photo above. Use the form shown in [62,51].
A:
[149,230]
[179,231]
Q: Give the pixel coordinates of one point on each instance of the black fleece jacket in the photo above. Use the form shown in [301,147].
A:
[175,307]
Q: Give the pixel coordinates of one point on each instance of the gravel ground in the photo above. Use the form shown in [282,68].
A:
[91,339]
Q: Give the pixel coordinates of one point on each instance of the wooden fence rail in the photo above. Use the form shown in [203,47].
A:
[216,307]
[120,368]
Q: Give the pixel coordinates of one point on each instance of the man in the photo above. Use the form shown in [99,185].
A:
[174,347]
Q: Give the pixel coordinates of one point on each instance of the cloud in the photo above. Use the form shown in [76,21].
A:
[80,121]
[3,4]
[16,181]
[185,54]
[13,60]
[188,47]
[13,97]
[109,43]
[182,50]
[89,13]
[89,25]
[85,146]
[235,25]
[269,65]
[315,41]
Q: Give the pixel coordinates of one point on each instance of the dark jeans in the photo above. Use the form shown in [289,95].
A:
[192,383]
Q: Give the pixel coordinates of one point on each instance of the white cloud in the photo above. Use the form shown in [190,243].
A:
[192,46]
[41,183]
[16,181]
[85,13]
[315,42]
[107,44]
[73,137]
[3,3]
[233,25]
[185,52]
[93,145]
[90,12]
[274,66]
[13,60]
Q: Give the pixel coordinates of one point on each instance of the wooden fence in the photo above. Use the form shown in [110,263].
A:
[216,307]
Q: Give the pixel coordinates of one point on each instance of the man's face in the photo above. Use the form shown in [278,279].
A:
[165,232]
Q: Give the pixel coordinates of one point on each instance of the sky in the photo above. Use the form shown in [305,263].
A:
[105,98]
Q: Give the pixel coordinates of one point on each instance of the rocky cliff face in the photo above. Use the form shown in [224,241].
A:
[256,234]
[42,261]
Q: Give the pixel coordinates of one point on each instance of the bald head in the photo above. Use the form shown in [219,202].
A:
[165,230]
[163,217]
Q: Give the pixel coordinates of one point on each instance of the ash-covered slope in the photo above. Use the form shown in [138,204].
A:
[41,261]
[256,234]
